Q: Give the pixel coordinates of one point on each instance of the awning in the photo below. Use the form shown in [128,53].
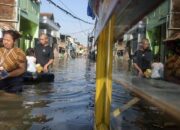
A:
[4,26]
[90,11]
[127,13]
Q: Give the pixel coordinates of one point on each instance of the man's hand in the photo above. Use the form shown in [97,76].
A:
[45,69]
[47,65]
[140,73]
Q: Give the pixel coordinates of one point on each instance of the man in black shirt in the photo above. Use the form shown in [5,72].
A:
[143,58]
[44,53]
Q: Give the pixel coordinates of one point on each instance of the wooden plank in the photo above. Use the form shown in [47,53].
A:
[164,95]
[118,111]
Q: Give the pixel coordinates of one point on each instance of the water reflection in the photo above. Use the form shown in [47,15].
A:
[13,115]
[141,116]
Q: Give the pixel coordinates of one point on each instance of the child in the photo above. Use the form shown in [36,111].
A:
[31,60]
[157,69]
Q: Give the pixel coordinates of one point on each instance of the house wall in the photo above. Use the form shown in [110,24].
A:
[8,15]
[158,16]
[30,10]
[29,22]
[157,27]
[174,23]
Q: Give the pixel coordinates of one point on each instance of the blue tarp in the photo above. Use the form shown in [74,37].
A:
[90,9]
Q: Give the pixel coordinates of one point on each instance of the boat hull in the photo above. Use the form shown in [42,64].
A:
[42,77]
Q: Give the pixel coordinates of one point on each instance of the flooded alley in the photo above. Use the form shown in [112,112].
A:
[65,104]
[89,65]
[68,103]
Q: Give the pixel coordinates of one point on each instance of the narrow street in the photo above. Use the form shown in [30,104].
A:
[89,65]
[65,104]
[68,103]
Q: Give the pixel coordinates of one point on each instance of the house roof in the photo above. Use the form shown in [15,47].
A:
[49,15]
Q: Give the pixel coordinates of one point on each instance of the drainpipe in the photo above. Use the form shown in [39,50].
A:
[17,14]
[167,25]
[170,18]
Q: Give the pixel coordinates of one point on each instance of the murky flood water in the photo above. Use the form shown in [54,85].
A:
[65,104]
[68,103]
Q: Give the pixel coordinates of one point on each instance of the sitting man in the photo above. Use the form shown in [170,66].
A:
[143,58]
[44,53]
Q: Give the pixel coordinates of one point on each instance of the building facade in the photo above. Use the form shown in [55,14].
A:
[156,28]
[22,15]
[51,28]
[135,35]
[9,12]
[29,22]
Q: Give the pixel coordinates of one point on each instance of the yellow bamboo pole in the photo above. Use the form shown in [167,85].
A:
[104,78]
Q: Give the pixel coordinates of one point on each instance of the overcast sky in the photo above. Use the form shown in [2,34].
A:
[69,25]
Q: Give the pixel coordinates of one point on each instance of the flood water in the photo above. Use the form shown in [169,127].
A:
[68,104]
[65,104]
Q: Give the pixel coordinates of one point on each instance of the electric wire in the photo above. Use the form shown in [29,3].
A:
[67,12]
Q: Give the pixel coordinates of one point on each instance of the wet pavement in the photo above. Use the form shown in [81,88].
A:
[68,104]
